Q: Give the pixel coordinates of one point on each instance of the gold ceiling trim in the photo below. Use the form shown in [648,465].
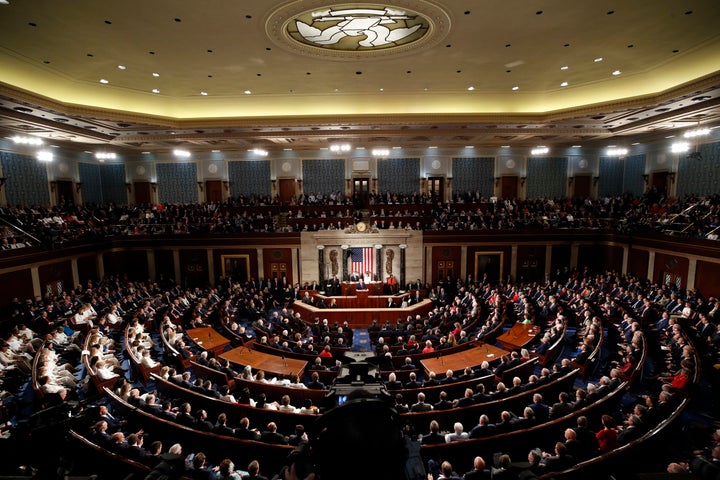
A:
[34,100]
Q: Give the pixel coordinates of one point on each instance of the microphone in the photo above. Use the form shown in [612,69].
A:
[284,361]
[487,349]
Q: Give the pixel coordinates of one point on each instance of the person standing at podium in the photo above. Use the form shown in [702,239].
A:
[361,285]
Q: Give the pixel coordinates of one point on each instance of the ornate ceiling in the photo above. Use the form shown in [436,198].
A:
[233,76]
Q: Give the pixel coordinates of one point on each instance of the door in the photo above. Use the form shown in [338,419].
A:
[142,192]
[660,182]
[581,187]
[509,187]
[287,190]
[213,191]
[436,188]
[64,194]
[361,192]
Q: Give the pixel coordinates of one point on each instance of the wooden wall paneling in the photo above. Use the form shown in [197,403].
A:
[638,261]
[560,258]
[672,269]
[164,266]
[531,263]
[55,277]
[16,284]
[194,267]
[599,258]
[87,268]
[707,278]
[130,264]
[276,261]
[445,259]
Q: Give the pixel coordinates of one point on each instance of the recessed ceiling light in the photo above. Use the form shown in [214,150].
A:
[216,151]
[636,143]
[515,88]
[564,84]
[155,74]
[539,151]
[122,67]
[4,2]
[247,92]
[469,146]
[287,149]
[104,81]
[564,67]
[156,90]
[203,93]
[396,148]
[616,72]
[471,88]
[432,146]
[598,59]
[44,156]
[180,153]
[504,146]
[670,136]
[146,153]
[382,89]
[577,146]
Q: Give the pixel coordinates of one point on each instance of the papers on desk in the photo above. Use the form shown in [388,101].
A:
[199,343]
[490,355]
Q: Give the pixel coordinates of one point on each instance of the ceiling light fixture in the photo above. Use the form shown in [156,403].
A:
[181,153]
[155,74]
[700,132]
[616,72]
[105,155]
[27,140]
[340,147]
[156,90]
[598,59]
[680,147]
[616,152]
[564,84]
[104,81]
[577,146]
[515,88]
[541,150]
[471,88]
[260,152]
[564,67]
[215,151]
[45,156]
[380,152]
[204,94]
[122,67]
[247,92]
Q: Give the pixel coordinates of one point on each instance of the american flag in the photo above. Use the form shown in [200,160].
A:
[362,259]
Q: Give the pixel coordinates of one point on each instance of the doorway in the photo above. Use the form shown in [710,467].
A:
[436,189]
[509,187]
[142,192]
[213,191]
[582,186]
[361,192]
[660,182]
[287,190]
[64,194]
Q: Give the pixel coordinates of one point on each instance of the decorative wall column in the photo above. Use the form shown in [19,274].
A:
[260,263]
[513,260]
[626,255]
[100,265]
[692,271]
[35,277]
[150,254]
[651,266]
[176,266]
[74,271]
[345,253]
[403,248]
[378,263]
[211,266]
[548,263]
[321,264]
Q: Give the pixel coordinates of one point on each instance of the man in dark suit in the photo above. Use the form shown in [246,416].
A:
[413,381]
[443,403]
[542,411]
[271,435]
[221,427]
[421,406]
[245,432]
[562,407]
[392,382]
[483,429]
[479,472]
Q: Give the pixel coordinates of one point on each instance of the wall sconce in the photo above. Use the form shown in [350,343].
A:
[522,181]
[570,181]
[129,187]
[154,186]
[595,180]
[78,186]
[226,184]
[671,177]
[2,181]
[201,186]
[53,184]
[646,178]
[497,181]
